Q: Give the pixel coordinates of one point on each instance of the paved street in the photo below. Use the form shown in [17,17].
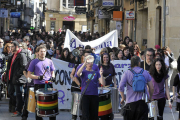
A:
[65,115]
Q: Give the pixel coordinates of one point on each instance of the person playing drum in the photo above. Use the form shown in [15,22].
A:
[43,69]
[90,100]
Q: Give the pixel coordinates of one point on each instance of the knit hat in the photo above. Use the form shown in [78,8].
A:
[157,47]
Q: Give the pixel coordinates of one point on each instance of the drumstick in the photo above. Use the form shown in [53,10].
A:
[46,70]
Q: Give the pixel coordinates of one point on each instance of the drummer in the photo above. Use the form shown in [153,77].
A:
[108,70]
[41,73]
[90,100]
[94,67]
[29,84]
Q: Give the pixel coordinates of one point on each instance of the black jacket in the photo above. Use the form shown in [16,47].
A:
[17,68]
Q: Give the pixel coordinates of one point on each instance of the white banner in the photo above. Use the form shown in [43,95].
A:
[108,40]
[63,80]
[63,83]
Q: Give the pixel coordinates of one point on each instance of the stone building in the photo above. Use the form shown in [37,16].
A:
[149,25]
[61,14]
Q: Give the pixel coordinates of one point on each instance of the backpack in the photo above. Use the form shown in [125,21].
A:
[138,84]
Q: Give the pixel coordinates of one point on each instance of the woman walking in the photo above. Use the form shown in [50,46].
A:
[160,79]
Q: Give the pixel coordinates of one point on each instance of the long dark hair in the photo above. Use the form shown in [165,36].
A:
[62,55]
[102,58]
[153,72]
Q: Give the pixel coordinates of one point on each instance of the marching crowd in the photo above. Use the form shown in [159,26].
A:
[17,66]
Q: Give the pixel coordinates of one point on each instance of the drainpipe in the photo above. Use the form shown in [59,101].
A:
[135,21]
[164,24]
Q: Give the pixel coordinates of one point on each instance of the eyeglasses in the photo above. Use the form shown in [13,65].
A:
[1,42]
[150,55]
[135,49]
[24,40]
[9,46]
[20,46]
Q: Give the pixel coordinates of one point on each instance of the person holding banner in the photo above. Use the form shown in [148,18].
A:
[108,70]
[41,73]
[149,56]
[90,99]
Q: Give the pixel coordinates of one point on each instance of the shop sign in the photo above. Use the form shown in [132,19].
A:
[108,3]
[103,14]
[79,2]
[52,18]
[15,14]
[117,15]
[69,18]
[130,15]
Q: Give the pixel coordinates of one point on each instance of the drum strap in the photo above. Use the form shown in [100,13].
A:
[88,83]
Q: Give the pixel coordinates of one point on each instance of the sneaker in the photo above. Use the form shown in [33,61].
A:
[16,114]
[24,118]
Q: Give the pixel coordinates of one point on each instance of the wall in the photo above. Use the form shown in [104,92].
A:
[79,21]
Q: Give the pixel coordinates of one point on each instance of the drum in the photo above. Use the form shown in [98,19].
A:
[153,109]
[47,102]
[114,99]
[76,96]
[31,101]
[105,106]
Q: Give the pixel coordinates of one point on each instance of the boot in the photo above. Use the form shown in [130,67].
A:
[10,108]
[13,109]
[0,96]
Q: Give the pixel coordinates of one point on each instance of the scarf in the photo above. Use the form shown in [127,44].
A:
[158,77]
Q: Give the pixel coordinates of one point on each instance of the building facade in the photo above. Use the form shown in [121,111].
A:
[61,15]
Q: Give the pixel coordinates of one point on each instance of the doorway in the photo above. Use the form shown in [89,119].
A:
[68,25]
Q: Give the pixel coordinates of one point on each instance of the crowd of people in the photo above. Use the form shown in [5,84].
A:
[17,64]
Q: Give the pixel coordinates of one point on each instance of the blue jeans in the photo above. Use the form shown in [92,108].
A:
[16,100]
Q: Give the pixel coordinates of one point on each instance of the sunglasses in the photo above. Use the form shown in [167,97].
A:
[135,49]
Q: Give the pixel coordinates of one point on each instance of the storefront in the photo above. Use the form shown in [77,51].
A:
[64,21]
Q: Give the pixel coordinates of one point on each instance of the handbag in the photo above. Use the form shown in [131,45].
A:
[174,64]
[124,109]
[23,79]
[80,107]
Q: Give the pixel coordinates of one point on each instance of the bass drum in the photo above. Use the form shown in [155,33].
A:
[31,101]
[114,99]
[105,105]
[76,96]
[47,102]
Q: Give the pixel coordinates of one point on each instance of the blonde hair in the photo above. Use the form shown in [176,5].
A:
[24,45]
[103,49]
[122,46]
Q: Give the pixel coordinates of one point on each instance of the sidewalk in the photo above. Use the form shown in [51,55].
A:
[66,115]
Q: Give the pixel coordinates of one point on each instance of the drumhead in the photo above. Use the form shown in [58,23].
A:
[31,89]
[49,91]
[103,91]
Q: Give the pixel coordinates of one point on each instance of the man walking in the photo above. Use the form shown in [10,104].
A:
[39,66]
[137,108]
[16,64]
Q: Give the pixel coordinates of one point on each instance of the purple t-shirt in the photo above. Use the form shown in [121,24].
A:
[39,66]
[132,96]
[94,67]
[93,85]
[159,88]
[107,70]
